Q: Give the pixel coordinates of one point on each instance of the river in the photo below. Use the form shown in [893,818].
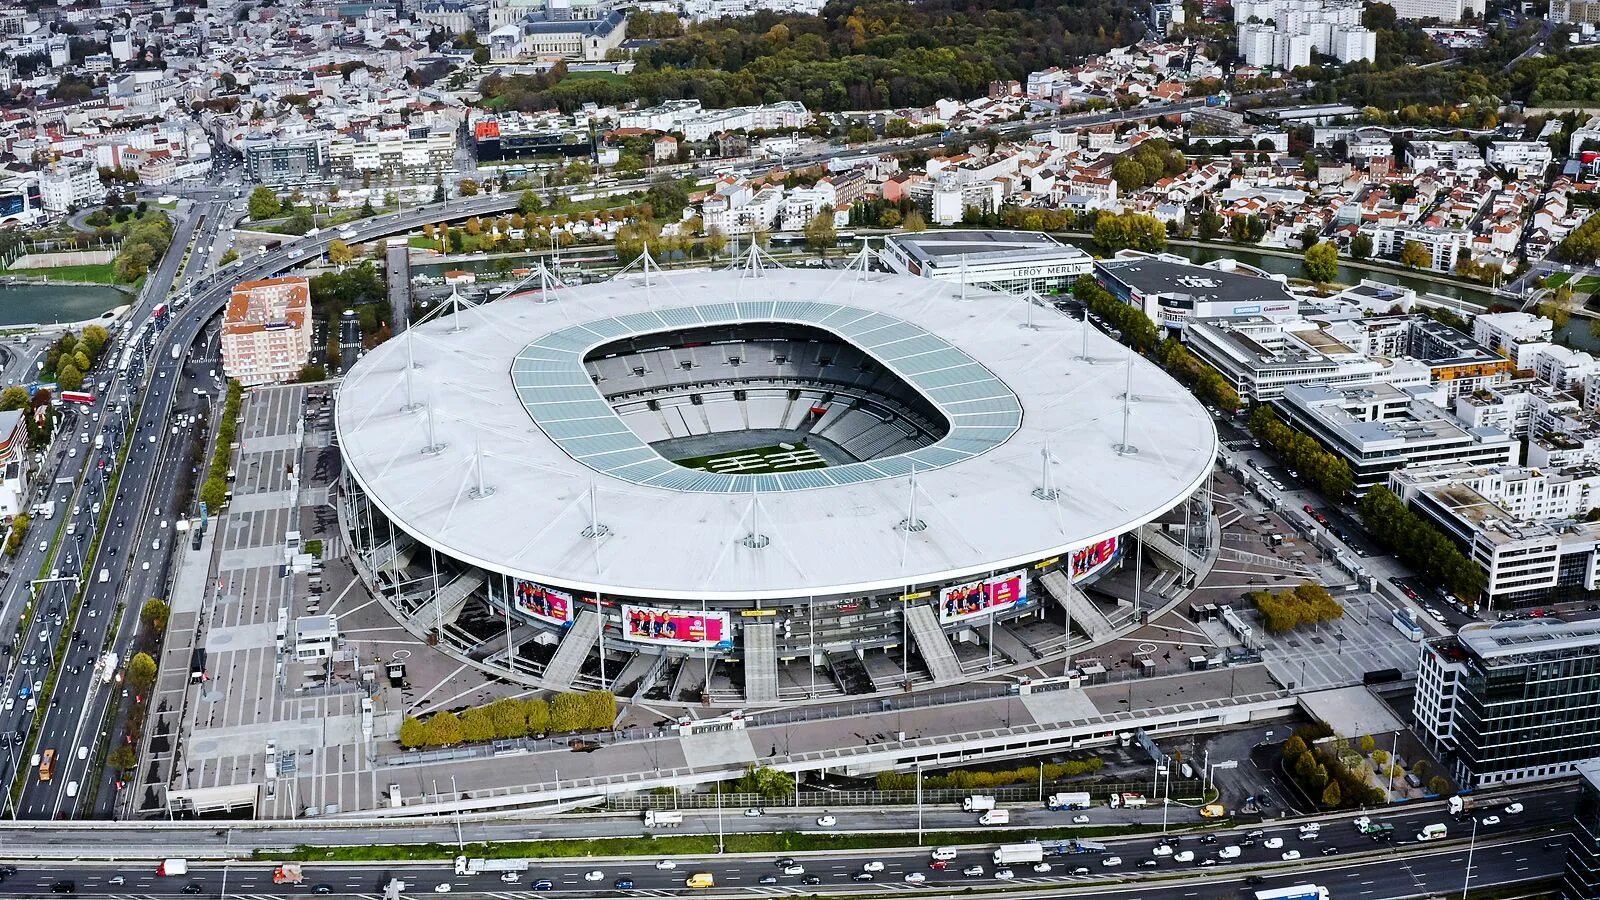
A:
[47,304]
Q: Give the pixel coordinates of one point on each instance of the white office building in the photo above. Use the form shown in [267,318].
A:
[1010,260]
[70,183]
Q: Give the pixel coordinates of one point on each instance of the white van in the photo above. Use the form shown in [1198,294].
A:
[995,817]
[105,575]
[72,789]
[944,854]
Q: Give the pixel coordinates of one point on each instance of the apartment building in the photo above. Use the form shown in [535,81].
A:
[266,330]
[413,156]
[1511,701]
[69,184]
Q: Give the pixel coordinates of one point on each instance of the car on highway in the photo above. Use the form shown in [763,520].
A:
[1004,874]
[753,813]
[1513,809]
[861,876]
[1273,843]
[827,821]
[1185,856]
[973,871]
[510,877]
[666,865]
[623,884]
[543,884]
[322,889]
[1289,855]
[1149,863]
[873,866]
[794,869]
[915,878]
[593,875]
[191,888]
[442,888]
[811,879]
[1329,850]
[768,879]
[1041,867]
[1110,861]
[1161,850]
[1080,820]
[1489,820]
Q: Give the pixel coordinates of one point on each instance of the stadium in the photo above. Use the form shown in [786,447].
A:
[756,485]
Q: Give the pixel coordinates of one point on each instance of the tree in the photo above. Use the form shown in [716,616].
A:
[19,532]
[69,377]
[311,372]
[413,733]
[1360,245]
[715,241]
[667,198]
[231,256]
[1438,784]
[153,615]
[444,730]
[333,352]
[339,252]
[1332,797]
[477,725]
[264,204]
[1415,256]
[1294,748]
[914,222]
[1368,744]
[529,203]
[566,712]
[141,672]
[1321,262]
[508,718]
[537,713]
[122,757]
[14,397]
[438,191]
[214,492]
[467,187]
[820,233]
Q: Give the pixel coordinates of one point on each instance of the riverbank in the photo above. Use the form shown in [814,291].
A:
[88,273]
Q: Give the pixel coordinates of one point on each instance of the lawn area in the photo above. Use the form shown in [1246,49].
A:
[1588,284]
[758,461]
[99,274]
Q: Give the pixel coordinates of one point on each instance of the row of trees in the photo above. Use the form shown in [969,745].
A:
[1307,604]
[73,355]
[1419,544]
[1136,327]
[140,677]
[962,779]
[214,490]
[512,718]
[1206,383]
[19,533]
[144,243]
[1328,471]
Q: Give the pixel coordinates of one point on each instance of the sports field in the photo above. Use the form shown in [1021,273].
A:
[757,461]
[1585,284]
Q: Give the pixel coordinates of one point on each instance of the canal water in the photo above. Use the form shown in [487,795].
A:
[47,304]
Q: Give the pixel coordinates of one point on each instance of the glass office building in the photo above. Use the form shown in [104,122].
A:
[1582,879]
[1511,701]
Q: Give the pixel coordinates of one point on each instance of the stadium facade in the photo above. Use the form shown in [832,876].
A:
[755,485]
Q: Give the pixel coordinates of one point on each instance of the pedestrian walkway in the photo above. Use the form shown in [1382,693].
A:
[574,649]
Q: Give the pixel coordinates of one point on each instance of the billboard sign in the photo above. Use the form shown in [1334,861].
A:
[543,603]
[1095,557]
[676,627]
[975,598]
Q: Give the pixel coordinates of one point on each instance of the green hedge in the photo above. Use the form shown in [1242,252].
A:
[215,489]
[962,779]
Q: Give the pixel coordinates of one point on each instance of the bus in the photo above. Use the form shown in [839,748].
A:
[47,765]
[83,397]
[1298,892]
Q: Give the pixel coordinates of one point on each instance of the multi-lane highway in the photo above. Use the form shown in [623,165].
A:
[1374,874]
[127,563]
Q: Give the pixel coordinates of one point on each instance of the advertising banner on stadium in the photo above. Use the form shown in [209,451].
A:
[649,625]
[545,604]
[975,598]
[1095,557]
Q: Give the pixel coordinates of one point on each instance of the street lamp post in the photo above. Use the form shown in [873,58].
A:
[1471,844]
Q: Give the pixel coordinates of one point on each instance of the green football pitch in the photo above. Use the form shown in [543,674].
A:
[757,461]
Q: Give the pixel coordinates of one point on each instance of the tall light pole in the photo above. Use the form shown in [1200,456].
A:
[919,804]
[1470,845]
[720,846]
